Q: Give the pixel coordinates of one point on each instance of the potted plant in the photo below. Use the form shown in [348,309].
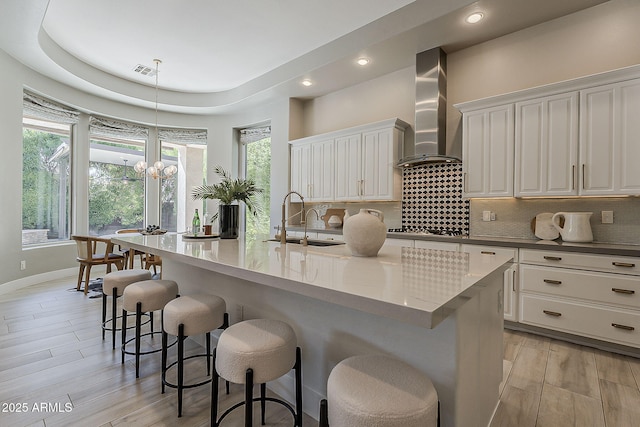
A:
[228,191]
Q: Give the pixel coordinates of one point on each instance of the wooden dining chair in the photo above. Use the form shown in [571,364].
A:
[155,261]
[132,252]
[88,256]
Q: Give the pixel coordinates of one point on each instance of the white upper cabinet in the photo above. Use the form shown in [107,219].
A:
[352,164]
[575,138]
[610,139]
[487,152]
[547,146]
[313,170]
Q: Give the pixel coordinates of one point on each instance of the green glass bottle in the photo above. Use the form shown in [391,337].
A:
[196,223]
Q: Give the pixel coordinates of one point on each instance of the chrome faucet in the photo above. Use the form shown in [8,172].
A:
[283,232]
[305,242]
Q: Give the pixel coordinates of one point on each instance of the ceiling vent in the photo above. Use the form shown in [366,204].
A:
[144,70]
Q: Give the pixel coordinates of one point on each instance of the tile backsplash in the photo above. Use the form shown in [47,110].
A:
[514,216]
[432,198]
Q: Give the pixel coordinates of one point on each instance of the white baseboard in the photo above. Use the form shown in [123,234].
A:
[38,278]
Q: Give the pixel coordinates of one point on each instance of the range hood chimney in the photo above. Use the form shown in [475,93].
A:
[429,144]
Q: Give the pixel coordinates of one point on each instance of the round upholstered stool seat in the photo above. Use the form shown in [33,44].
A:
[122,278]
[144,297]
[113,285]
[255,352]
[377,390]
[187,316]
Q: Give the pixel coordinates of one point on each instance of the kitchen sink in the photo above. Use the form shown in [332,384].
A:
[298,240]
[323,242]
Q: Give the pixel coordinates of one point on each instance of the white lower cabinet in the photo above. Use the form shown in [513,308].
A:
[330,236]
[399,242]
[578,294]
[510,275]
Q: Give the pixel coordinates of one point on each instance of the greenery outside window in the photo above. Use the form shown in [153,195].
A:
[46,184]
[257,166]
[116,193]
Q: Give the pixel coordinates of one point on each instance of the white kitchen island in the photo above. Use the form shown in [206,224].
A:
[439,311]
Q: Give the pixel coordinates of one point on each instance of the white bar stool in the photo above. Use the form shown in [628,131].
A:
[255,352]
[144,297]
[377,390]
[113,285]
[187,316]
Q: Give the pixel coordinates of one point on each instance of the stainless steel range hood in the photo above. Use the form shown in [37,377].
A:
[429,144]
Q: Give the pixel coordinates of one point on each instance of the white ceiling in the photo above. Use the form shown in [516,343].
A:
[221,55]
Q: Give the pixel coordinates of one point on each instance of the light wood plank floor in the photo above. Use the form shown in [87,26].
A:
[52,354]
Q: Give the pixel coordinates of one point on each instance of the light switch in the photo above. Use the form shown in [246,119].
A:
[607,217]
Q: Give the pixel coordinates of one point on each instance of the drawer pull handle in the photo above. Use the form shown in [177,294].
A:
[623,264]
[623,291]
[552,313]
[487,253]
[625,327]
[552,282]
[552,258]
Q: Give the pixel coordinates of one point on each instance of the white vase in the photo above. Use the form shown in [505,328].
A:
[365,232]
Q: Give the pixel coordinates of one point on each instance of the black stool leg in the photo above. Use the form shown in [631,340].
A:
[124,332]
[324,414]
[138,328]
[248,399]
[208,338]
[104,313]
[113,317]
[214,394]
[180,366]
[164,357]
[151,321]
[298,369]
[263,401]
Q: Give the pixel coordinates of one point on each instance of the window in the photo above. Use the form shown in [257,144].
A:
[186,149]
[45,181]
[116,194]
[257,154]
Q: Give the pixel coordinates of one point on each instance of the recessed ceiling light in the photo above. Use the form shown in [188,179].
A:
[363,61]
[306,82]
[474,18]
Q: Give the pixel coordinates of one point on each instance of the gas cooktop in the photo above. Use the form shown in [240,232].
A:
[426,231]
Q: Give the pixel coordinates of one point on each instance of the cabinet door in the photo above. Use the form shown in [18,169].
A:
[610,130]
[442,246]
[546,147]
[597,140]
[378,171]
[487,151]
[301,168]
[348,151]
[322,171]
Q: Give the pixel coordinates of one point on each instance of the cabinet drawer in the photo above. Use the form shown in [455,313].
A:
[608,324]
[606,263]
[603,288]
[490,250]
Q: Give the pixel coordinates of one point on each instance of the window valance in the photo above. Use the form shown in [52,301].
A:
[186,136]
[101,126]
[254,134]
[41,108]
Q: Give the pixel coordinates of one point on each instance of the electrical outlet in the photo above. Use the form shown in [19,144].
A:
[607,217]
[486,216]
[23,265]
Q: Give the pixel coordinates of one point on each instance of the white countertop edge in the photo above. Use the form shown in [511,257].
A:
[418,317]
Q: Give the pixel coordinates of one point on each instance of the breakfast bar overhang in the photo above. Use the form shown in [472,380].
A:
[439,311]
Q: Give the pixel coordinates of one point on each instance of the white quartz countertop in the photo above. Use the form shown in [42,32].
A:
[413,285]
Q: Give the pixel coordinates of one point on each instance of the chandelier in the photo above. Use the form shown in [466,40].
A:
[158,170]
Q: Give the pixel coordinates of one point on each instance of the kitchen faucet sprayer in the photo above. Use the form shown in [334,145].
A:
[283,232]
[305,241]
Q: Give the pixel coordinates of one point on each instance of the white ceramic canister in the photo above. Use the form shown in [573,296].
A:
[365,232]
